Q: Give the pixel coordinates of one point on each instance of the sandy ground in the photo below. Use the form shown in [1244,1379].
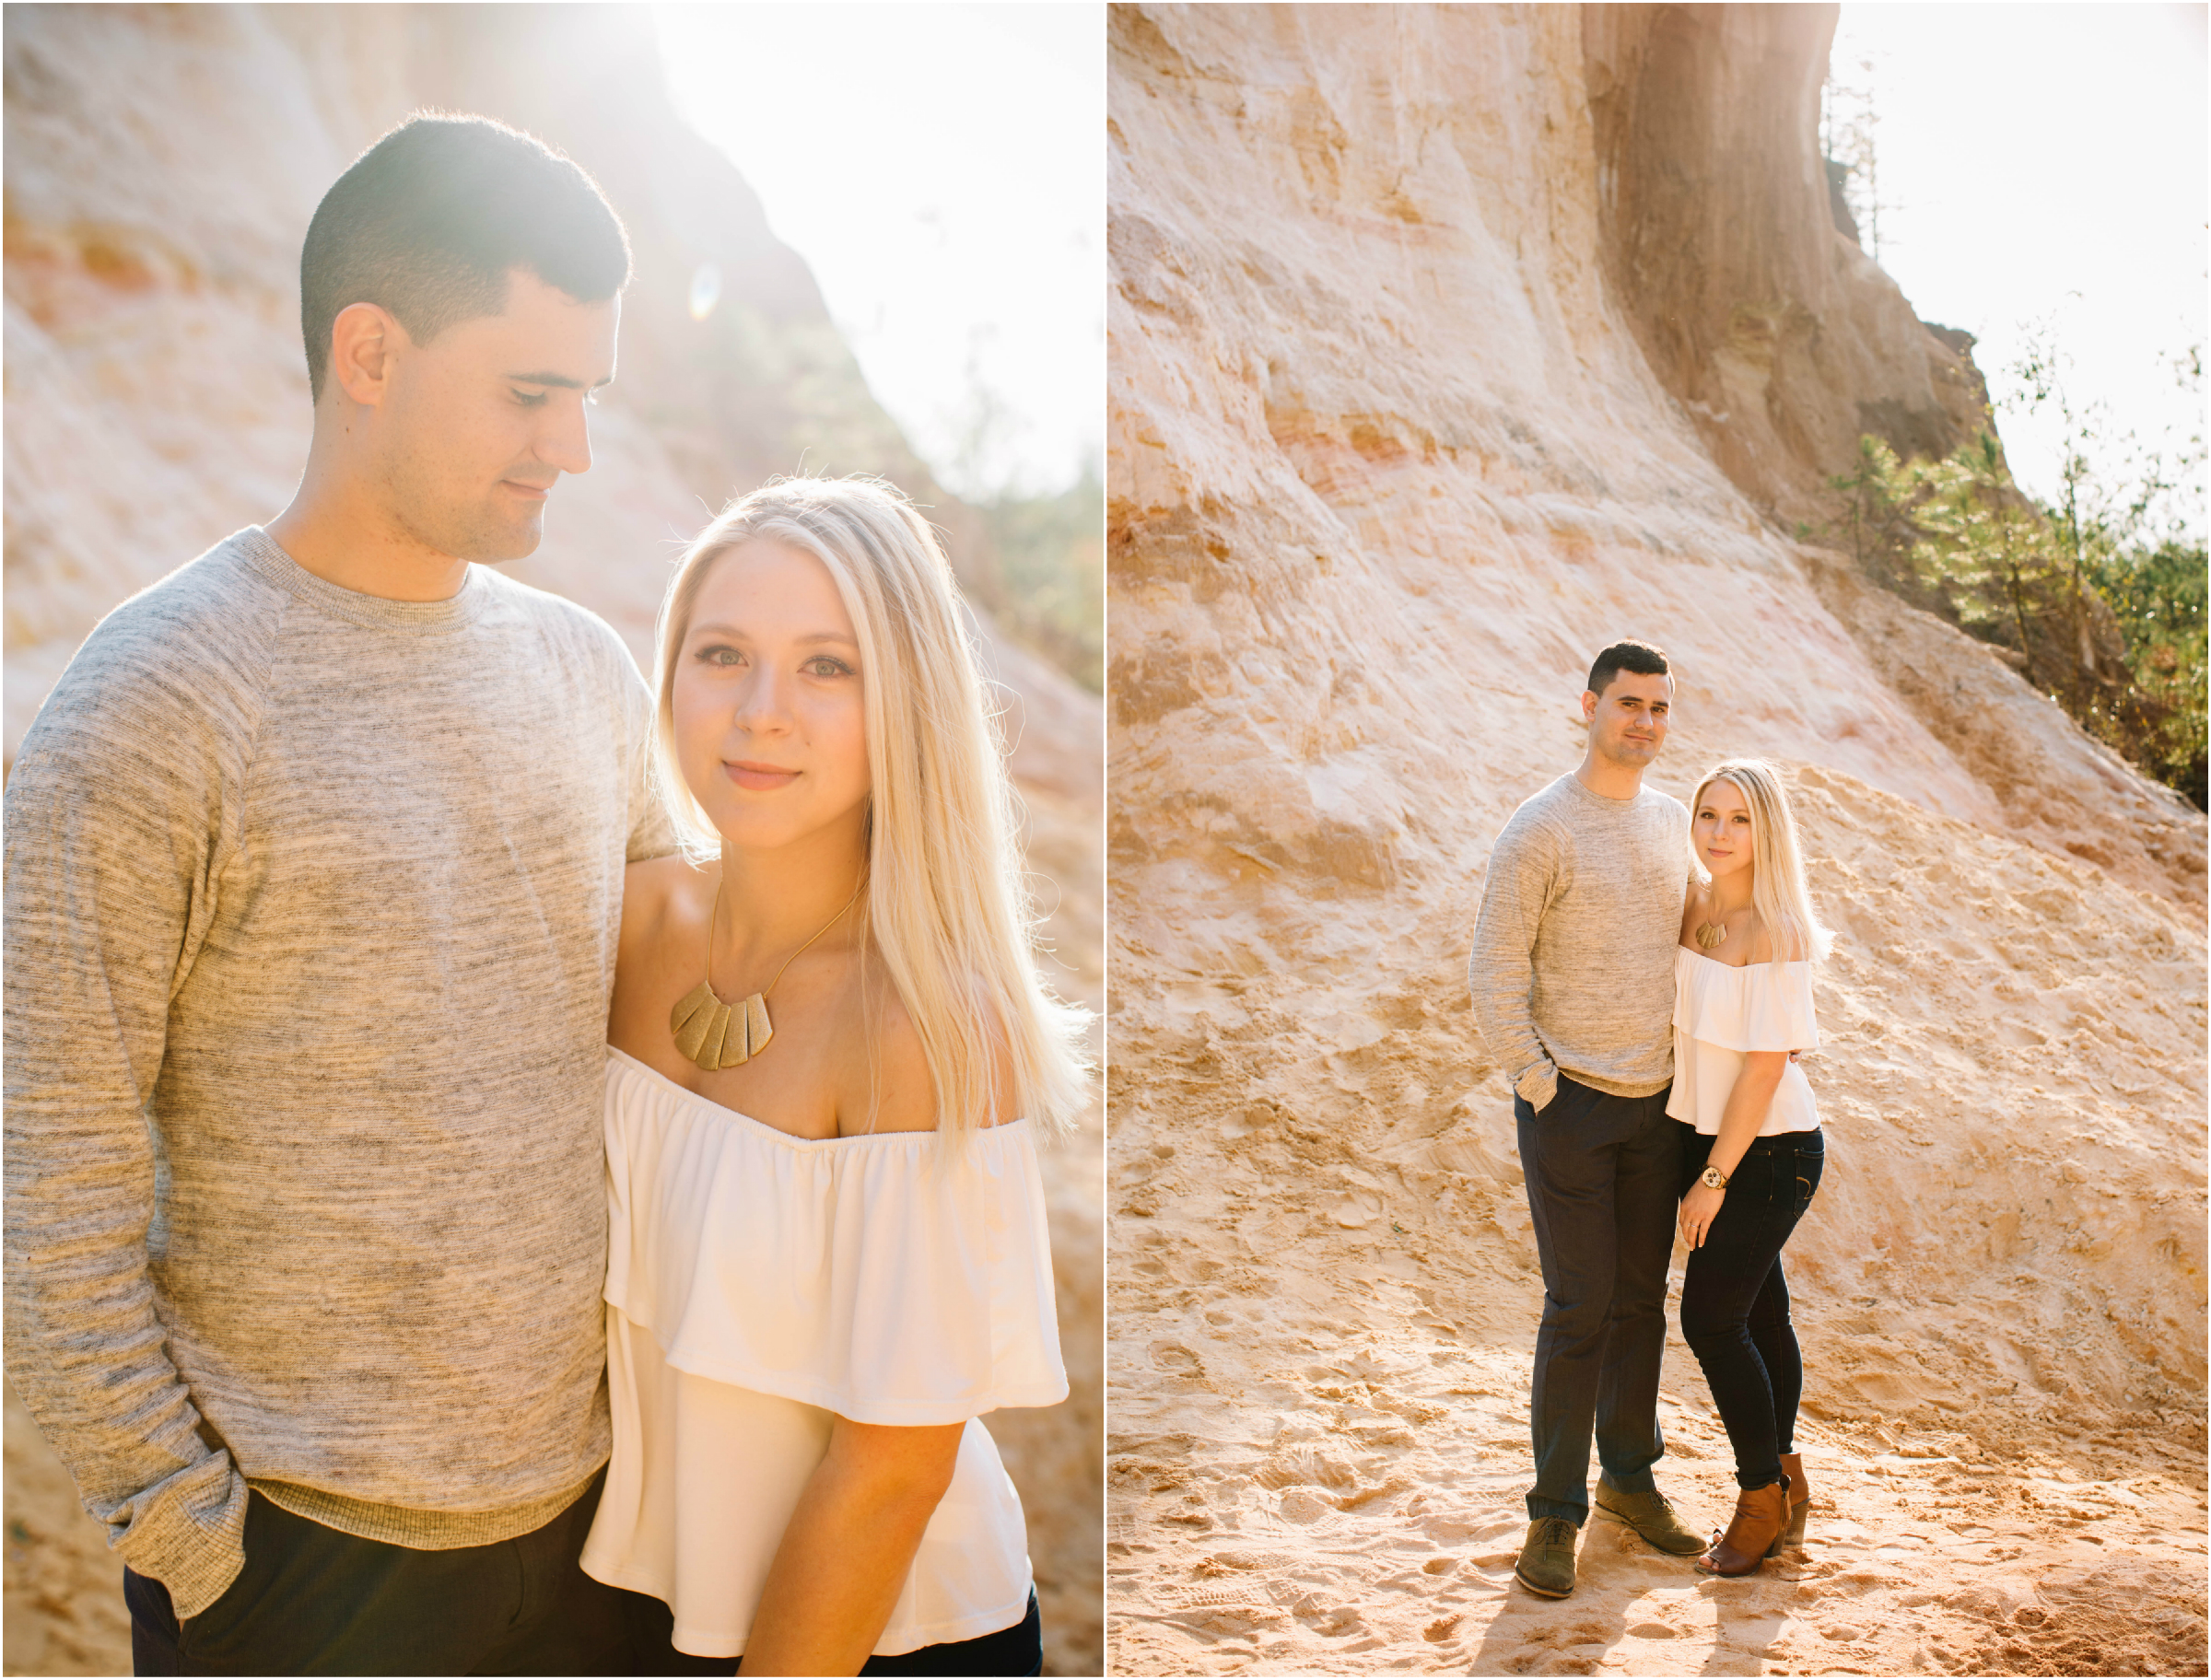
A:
[1323,1297]
[1365,1516]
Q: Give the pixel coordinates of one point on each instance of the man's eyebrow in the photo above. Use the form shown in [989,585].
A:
[559,380]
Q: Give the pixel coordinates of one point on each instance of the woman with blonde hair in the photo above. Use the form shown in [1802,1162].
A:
[831,1057]
[1751,1150]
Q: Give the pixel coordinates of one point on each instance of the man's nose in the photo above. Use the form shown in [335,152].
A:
[565,441]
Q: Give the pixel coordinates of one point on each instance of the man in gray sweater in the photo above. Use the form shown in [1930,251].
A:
[314,868]
[1572,977]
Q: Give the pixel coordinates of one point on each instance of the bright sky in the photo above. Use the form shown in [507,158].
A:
[941,169]
[2031,152]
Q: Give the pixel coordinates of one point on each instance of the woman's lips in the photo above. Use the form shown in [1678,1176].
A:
[761,778]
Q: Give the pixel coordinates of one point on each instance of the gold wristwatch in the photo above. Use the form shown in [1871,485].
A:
[1713,1177]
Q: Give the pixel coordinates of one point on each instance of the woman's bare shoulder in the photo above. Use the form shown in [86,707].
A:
[903,1094]
[1692,907]
[650,889]
[661,898]
[664,907]
[893,1092]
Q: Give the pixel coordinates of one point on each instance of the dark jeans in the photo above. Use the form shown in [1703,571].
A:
[314,1601]
[1735,1302]
[1601,1190]
[1018,1650]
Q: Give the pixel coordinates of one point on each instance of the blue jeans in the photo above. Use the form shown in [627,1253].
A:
[1735,1302]
[1601,1190]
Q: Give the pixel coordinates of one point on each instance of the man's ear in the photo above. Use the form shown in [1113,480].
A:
[363,341]
[1588,706]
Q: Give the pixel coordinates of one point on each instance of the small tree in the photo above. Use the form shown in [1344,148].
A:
[2099,597]
[2084,511]
[2155,579]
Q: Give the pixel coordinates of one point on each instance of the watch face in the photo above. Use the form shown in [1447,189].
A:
[1711,1177]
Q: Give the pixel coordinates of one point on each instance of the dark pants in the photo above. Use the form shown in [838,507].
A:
[1601,1188]
[1018,1650]
[1735,1302]
[314,1601]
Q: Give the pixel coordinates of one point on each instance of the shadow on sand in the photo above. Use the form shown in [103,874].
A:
[1621,1588]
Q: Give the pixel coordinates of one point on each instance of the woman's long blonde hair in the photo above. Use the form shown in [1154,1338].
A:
[1778,891]
[948,904]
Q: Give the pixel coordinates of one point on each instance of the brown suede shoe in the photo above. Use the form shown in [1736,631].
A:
[1649,1514]
[1546,1561]
[1760,1513]
[1800,1499]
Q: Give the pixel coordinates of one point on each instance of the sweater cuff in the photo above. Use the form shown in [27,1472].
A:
[1538,1084]
[187,1532]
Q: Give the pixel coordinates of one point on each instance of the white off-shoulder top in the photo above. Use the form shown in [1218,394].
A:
[1721,1014]
[760,1286]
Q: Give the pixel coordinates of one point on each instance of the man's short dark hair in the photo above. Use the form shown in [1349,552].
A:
[429,220]
[1640,657]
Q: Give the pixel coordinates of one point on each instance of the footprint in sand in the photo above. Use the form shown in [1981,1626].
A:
[1178,1361]
[1305,1466]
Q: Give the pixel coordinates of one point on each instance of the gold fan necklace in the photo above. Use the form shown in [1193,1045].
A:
[716,1034]
[1713,934]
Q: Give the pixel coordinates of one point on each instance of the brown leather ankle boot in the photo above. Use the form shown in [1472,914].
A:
[1800,1499]
[1760,1513]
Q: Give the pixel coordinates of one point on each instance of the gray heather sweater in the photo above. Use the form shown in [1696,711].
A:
[311,903]
[1573,966]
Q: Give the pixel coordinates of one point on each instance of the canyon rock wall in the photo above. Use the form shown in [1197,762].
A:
[1780,343]
[1448,344]
[161,167]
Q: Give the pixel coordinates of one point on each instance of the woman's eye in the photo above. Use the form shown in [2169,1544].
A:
[718,654]
[825,666]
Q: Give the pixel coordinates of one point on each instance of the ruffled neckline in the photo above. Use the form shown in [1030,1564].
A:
[721,1110]
[1732,968]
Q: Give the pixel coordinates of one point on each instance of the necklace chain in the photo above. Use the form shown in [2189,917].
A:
[715,1034]
[714,915]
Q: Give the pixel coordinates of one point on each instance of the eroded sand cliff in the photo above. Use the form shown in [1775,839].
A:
[161,167]
[1447,345]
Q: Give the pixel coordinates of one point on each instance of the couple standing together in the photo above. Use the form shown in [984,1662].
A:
[510,1172]
[1644,973]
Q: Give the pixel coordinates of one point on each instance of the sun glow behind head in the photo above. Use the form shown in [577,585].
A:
[940,170]
[705,290]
